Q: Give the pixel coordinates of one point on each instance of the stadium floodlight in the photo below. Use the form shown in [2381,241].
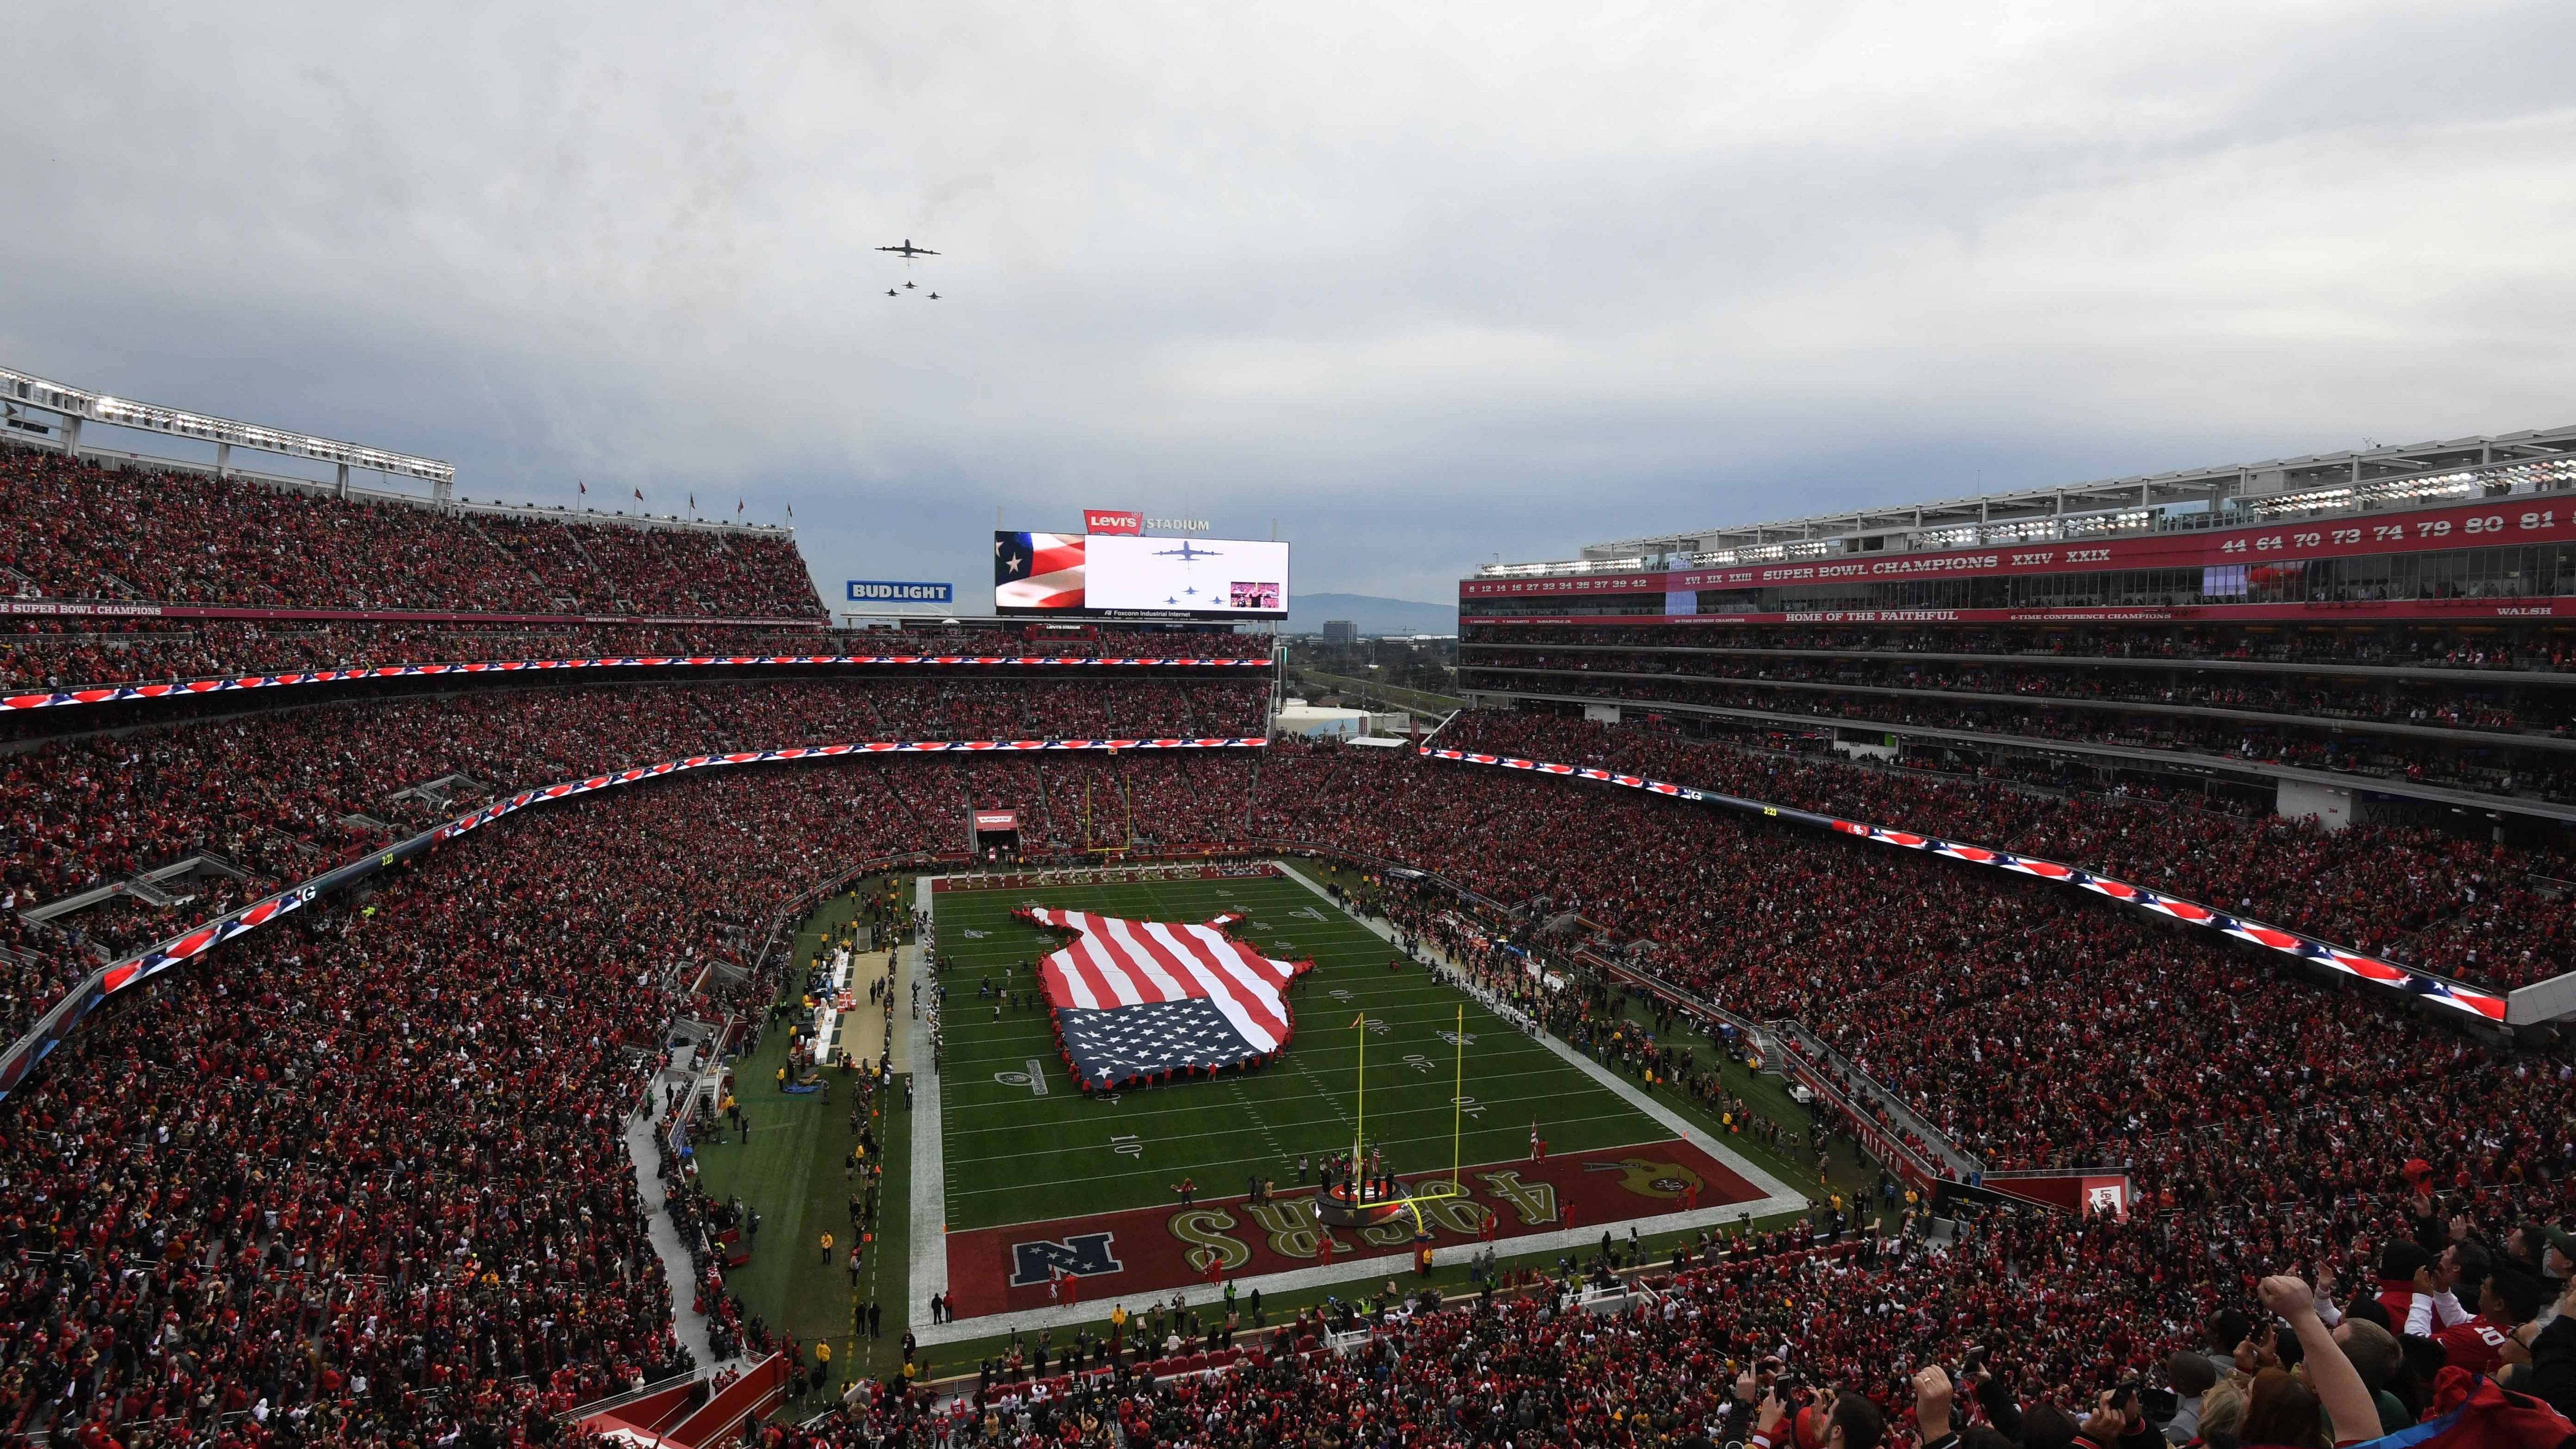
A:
[119,412]
[1564,569]
[2127,521]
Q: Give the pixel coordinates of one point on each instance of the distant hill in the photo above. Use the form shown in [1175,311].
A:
[1370,614]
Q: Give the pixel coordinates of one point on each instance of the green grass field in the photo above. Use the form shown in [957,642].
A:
[1012,1155]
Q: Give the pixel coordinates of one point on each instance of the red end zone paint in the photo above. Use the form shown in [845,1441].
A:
[1131,1256]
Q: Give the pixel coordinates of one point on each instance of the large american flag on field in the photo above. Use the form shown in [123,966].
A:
[1149,1000]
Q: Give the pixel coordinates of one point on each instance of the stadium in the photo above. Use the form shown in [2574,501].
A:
[613,1002]
[1629,781]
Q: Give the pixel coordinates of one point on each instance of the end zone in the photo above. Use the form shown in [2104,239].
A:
[1146,1252]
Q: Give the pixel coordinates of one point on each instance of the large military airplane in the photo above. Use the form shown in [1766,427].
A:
[1187,554]
[908,251]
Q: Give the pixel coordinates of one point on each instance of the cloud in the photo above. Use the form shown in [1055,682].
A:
[1423,283]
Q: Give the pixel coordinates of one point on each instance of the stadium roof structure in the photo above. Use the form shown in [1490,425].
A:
[77,405]
[2417,474]
[74,406]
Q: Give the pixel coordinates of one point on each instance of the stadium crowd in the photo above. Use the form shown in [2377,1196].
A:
[76,531]
[2477,910]
[1894,1344]
[70,654]
[392,1189]
[282,795]
[2322,746]
[92,806]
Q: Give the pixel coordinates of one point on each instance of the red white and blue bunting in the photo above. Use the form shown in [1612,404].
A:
[2486,1004]
[181,689]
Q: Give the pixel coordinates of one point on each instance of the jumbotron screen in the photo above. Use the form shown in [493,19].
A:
[1102,575]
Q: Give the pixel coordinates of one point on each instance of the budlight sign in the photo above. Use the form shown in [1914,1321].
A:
[896,591]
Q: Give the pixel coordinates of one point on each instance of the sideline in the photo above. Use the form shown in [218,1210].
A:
[928,1247]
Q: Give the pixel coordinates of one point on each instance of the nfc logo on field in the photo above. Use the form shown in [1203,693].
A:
[895,591]
[1084,1255]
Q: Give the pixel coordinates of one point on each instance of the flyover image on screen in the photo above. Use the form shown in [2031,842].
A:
[1101,574]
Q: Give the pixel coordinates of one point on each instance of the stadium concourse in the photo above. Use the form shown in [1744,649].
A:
[354,1171]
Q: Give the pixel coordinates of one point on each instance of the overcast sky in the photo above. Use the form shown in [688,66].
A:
[1425,284]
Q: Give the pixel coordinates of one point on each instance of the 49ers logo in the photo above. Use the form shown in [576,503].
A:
[1648,1178]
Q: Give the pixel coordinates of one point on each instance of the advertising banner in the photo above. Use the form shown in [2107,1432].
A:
[1112,520]
[897,591]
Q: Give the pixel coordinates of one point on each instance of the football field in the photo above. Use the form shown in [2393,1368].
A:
[1037,1177]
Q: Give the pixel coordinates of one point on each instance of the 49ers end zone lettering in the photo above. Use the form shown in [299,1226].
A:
[1143,1251]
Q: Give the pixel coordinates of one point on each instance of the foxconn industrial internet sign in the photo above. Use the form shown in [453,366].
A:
[896,591]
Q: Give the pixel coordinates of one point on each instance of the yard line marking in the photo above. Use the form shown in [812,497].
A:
[1236,1088]
[1199,1108]
[1179,1102]
[1019,1188]
[1322,1091]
